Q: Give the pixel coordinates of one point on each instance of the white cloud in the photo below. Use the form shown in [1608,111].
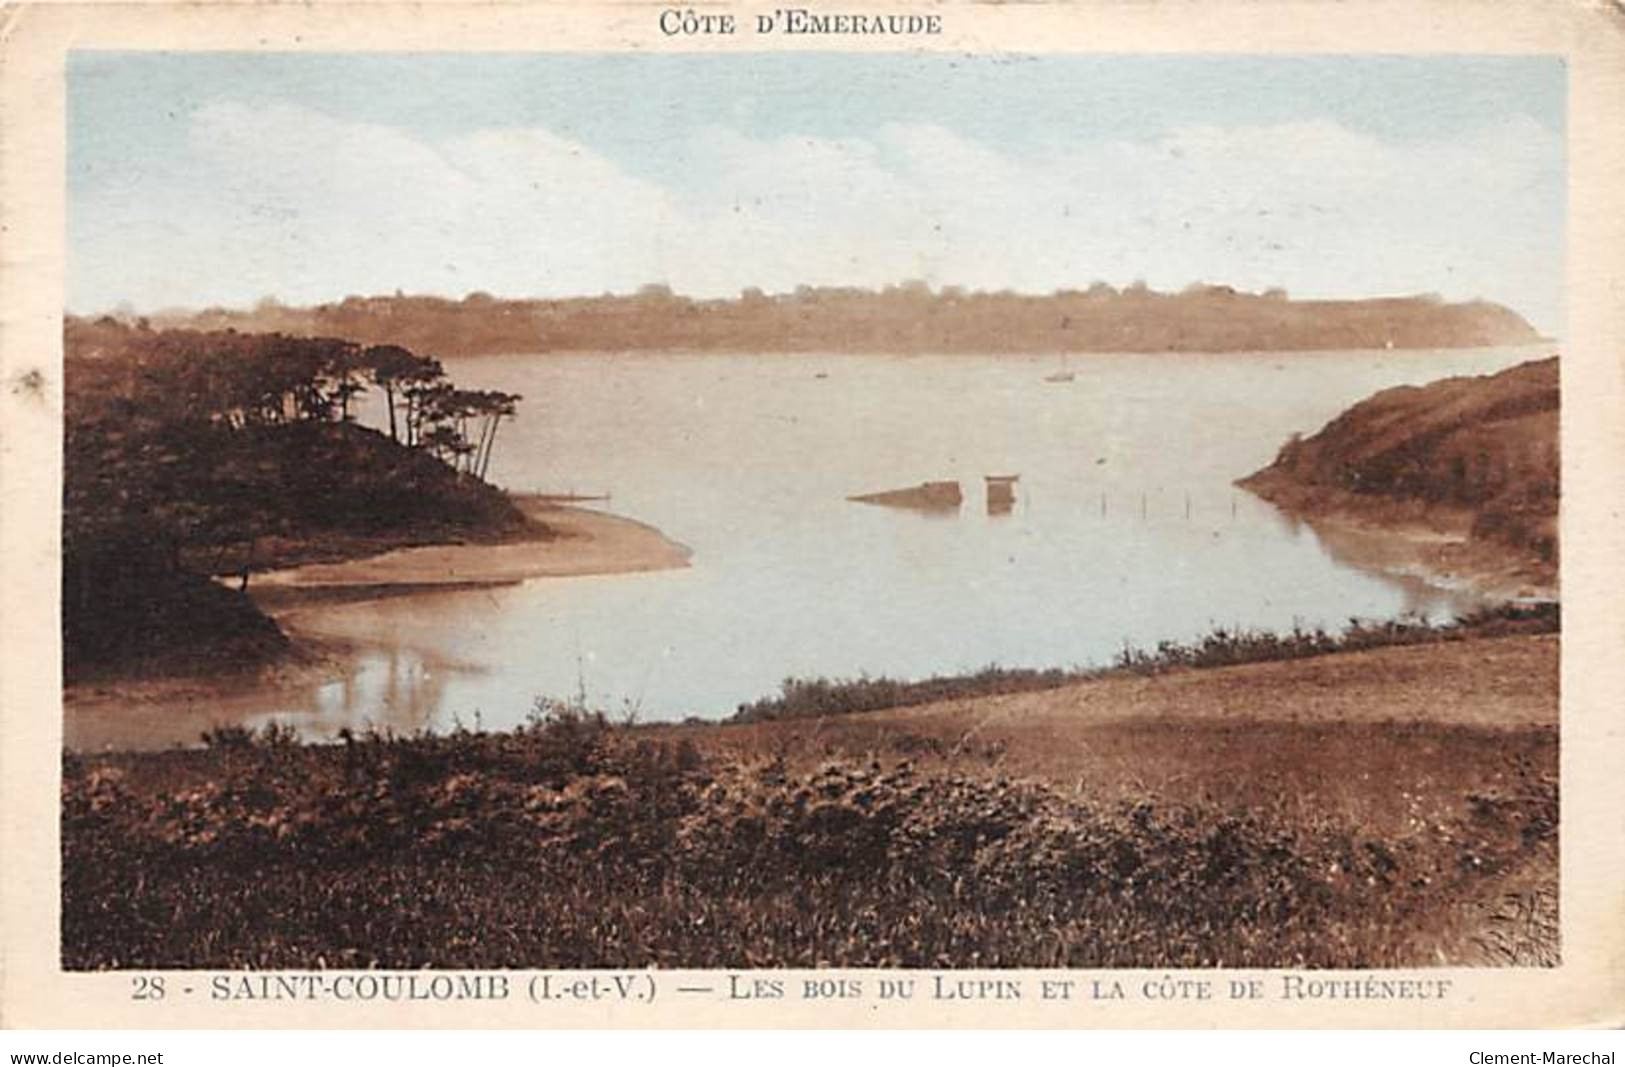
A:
[289,201]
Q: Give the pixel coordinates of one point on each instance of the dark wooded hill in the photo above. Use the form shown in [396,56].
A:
[909,318]
[189,455]
[1484,447]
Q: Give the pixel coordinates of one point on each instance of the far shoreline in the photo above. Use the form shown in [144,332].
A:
[908,317]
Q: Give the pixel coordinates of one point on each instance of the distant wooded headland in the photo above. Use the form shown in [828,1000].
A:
[908,318]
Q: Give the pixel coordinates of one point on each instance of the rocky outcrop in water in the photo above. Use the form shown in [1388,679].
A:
[927,496]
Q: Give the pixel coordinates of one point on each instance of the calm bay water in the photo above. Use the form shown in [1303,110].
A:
[1125,529]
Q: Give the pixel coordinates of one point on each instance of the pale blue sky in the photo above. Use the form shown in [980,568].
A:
[202,178]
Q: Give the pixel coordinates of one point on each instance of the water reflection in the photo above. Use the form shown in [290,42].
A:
[394,686]
[1408,566]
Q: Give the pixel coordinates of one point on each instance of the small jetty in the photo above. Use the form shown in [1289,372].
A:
[571,497]
[927,496]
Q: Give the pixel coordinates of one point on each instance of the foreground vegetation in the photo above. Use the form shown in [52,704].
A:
[806,698]
[572,843]
[189,455]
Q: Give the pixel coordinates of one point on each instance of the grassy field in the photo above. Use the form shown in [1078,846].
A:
[1393,806]
[817,698]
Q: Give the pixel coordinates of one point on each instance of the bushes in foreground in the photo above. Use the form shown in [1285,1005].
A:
[805,698]
[572,844]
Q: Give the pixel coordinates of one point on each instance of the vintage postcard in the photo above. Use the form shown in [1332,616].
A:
[856,514]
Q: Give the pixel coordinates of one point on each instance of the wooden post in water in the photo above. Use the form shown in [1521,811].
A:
[1001,492]
[1187,503]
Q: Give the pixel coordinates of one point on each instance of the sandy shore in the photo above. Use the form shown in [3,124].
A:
[586,542]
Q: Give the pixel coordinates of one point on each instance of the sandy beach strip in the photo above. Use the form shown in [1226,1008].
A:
[585,542]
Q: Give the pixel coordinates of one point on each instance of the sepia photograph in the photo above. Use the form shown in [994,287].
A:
[907,509]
